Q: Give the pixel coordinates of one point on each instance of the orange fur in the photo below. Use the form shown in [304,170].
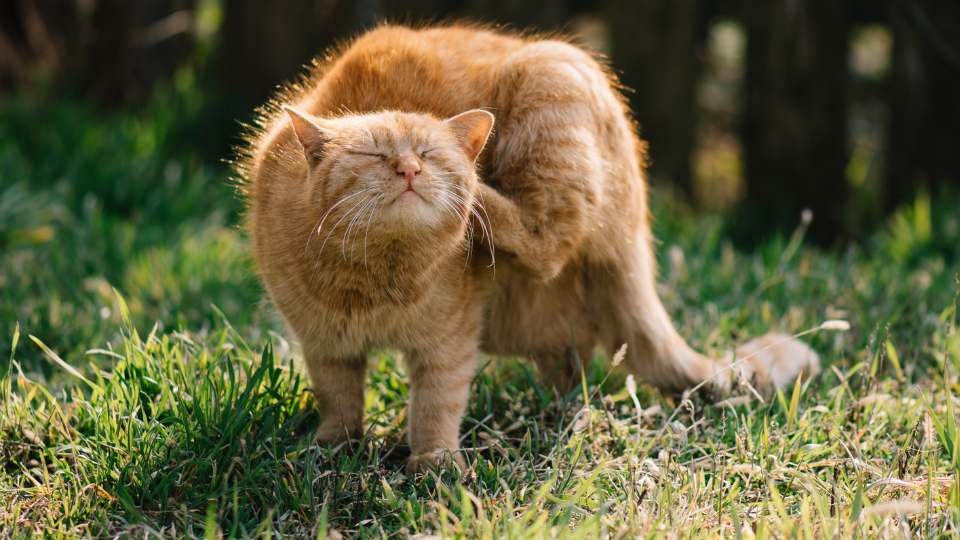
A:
[563,191]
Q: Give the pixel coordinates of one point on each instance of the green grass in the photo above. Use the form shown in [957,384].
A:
[145,389]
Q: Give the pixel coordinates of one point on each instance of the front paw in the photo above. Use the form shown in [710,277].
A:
[435,460]
[774,361]
[334,434]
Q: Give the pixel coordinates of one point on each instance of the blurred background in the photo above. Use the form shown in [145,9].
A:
[755,108]
[122,255]
[117,119]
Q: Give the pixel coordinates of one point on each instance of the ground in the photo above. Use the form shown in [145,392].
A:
[146,389]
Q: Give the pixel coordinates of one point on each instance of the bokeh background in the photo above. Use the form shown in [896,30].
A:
[117,120]
[146,389]
[757,107]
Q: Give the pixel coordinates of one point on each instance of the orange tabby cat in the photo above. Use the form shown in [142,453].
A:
[371,227]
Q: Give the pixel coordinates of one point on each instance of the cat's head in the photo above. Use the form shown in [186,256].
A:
[394,173]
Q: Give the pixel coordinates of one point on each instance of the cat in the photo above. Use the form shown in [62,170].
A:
[385,210]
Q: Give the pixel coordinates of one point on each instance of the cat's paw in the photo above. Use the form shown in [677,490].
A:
[335,434]
[773,361]
[434,460]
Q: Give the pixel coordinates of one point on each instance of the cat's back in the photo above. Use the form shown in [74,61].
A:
[441,70]
[437,70]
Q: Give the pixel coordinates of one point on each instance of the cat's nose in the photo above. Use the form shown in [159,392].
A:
[408,167]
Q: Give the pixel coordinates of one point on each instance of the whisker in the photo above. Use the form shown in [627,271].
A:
[452,208]
[484,220]
[353,222]
[366,233]
[320,222]
[335,225]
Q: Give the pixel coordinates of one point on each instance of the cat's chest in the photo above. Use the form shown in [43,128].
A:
[353,313]
[355,331]
[358,294]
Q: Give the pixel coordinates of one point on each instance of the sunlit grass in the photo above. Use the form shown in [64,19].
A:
[145,391]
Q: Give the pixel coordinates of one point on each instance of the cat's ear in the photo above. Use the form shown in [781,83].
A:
[472,128]
[310,133]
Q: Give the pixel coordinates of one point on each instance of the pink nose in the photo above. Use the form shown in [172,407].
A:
[408,167]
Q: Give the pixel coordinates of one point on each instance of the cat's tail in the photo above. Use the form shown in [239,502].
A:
[766,363]
[659,355]
[772,361]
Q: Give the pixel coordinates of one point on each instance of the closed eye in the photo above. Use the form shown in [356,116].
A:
[423,153]
[368,154]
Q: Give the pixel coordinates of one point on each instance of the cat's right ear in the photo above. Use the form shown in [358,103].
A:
[310,133]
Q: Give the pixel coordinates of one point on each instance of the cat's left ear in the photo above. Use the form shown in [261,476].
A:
[472,128]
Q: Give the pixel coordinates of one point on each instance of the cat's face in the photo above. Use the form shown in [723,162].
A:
[392,172]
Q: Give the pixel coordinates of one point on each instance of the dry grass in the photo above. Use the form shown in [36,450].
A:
[155,417]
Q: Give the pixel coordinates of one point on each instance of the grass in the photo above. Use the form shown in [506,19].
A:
[145,389]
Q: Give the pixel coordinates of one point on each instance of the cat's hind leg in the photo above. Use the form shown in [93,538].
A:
[563,370]
[547,165]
